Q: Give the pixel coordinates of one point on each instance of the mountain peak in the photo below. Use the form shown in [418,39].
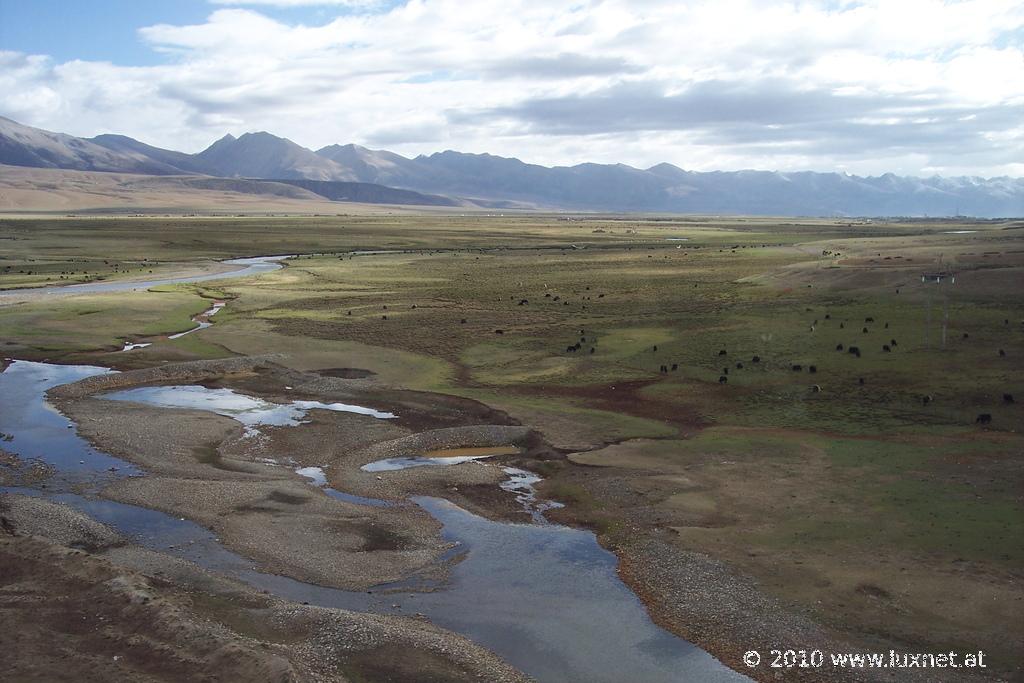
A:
[336,148]
[491,178]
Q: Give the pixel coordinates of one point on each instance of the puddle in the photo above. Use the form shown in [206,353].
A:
[314,474]
[250,411]
[317,476]
[202,320]
[438,458]
[546,598]
[960,232]
[677,239]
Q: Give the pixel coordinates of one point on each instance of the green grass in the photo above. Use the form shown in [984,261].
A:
[627,291]
[100,321]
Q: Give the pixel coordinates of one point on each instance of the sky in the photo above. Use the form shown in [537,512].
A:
[913,87]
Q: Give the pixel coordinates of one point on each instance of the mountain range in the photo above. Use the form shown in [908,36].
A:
[353,173]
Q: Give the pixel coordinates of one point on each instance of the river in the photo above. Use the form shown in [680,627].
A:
[545,597]
[245,267]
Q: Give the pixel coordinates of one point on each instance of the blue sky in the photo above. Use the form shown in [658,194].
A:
[100,31]
[107,30]
[917,87]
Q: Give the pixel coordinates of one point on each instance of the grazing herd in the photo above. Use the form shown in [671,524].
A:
[926,400]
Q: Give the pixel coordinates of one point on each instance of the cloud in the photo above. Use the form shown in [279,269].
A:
[768,114]
[565,65]
[910,86]
[299,3]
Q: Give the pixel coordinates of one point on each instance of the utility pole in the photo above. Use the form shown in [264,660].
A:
[937,278]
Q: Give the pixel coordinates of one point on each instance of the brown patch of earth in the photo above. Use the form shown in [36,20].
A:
[625,398]
[346,373]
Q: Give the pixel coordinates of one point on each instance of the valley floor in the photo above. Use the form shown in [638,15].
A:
[685,387]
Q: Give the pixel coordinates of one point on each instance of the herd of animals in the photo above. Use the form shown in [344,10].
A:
[665,368]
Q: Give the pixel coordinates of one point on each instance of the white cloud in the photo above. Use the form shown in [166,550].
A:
[940,82]
[298,3]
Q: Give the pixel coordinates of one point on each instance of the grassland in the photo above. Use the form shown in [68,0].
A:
[857,493]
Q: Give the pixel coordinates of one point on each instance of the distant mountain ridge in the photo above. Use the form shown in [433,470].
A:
[367,193]
[500,181]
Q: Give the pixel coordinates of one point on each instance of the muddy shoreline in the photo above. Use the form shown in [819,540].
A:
[128,614]
[201,466]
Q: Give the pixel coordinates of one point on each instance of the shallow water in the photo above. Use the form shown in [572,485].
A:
[546,598]
[521,483]
[442,457]
[38,430]
[249,410]
[202,320]
[252,266]
[392,464]
[317,476]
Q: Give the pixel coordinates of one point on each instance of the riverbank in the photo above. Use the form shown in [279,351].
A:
[129,614]
[267,512]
